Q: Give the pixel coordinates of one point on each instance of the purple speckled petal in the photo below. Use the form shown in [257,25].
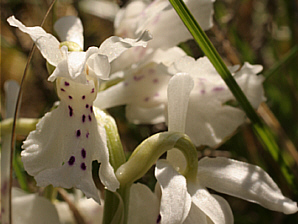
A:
[61,149]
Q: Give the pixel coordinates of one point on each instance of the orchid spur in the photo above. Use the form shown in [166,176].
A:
[66,141]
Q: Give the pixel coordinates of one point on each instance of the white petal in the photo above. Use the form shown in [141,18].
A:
[167,28]
[143,205]
[251,84]
[175,200]
[113,96]
[166,57]
[208,122]
[70,28]
[179,89]
[144,87]
[66,141]
[216,208]
[31,208]
[103,9]
[195,215]
[99,66]
[114,46]
[74,66]
[245,181]
[140,115]
[127,17]
[46,43]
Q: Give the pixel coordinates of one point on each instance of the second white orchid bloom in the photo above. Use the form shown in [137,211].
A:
[66,141]
[209,118]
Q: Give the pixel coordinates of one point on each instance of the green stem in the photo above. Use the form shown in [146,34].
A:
[117,158]
[17,167]
[262,131]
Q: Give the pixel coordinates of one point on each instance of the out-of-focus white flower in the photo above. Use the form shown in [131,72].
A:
[162,21]
[31,209]
[66,141]
[102,8]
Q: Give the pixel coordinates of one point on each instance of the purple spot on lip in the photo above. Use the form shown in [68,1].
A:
[78,133]
[66,83]
[63,90]
[87,105]
[87,134]
[83,166]
[146,99]
[83,97]
[155,80]
[89,117]
[92,91]
[138,78]
[71,160]
[83,118]
[151,71]
[70,110]
[218,89]
[158,219]
[202,91]
[91,109]
[83,153]
[70,97]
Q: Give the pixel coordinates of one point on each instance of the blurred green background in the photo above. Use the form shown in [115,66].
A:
[258,31]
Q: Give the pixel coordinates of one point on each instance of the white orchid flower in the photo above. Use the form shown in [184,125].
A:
[209,119]
[221,174]
[66,141]
[161,19]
